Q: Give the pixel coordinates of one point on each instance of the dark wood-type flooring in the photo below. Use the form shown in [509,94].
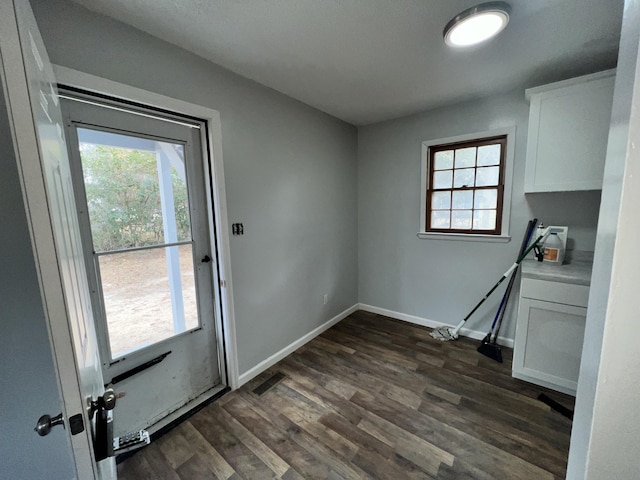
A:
[371,397]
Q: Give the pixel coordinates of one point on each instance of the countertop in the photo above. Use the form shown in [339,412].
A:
[576,269]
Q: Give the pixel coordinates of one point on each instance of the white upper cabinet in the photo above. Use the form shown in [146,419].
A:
[568,132]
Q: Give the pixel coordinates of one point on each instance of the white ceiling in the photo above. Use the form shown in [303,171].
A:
[370,60]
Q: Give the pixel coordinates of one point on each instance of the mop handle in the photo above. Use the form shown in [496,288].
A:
[504,276]
[507,293]
[525,241]
[502,311]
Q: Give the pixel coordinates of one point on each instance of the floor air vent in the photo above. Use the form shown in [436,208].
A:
[268,383]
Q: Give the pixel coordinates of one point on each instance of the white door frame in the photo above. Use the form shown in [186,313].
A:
[214,168]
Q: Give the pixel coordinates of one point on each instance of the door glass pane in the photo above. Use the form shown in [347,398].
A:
[137,199]
[138,300]
[136,190]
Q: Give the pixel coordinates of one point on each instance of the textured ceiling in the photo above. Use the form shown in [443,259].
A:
[370,60]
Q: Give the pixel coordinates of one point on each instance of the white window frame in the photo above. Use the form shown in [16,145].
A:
[510,133]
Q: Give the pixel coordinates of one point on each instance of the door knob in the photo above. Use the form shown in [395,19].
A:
[46,423]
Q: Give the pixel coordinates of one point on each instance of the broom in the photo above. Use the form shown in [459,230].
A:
[447,333]
[489,347]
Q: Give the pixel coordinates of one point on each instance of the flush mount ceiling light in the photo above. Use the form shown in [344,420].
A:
[477,24]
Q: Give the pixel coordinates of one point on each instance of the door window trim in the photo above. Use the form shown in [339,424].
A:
[215,190]
[183,136]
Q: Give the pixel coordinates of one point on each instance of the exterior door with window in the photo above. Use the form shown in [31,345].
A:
[141,199]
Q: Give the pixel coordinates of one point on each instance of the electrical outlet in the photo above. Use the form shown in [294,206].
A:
[325,299]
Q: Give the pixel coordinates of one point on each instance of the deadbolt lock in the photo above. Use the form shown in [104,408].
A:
[106,402]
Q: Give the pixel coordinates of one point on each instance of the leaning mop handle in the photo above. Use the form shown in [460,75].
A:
[505,298]
[540,238]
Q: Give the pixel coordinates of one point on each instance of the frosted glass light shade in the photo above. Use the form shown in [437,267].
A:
[477,24]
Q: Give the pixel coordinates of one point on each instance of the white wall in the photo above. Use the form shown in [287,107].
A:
[441,280]
[290,175]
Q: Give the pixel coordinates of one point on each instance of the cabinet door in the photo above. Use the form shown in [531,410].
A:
[548,344]
[568,133]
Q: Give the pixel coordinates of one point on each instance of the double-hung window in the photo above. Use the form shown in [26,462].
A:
[464,187]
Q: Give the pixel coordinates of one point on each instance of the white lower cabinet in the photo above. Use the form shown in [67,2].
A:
[549,334]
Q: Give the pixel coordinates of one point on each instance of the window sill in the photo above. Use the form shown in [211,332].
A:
[465,237]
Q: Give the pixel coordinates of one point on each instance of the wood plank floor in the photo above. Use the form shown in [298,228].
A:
[371,397]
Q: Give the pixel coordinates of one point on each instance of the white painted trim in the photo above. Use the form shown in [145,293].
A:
[292,347]
[425,322]
[510,132]
[465,237]
[92,83]
[529,92]
[95,84]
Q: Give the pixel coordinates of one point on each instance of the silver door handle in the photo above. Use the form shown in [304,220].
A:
[46,423]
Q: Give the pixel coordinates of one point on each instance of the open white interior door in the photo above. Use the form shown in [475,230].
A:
[36,124]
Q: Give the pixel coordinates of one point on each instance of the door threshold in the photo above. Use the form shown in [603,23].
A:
[180,415]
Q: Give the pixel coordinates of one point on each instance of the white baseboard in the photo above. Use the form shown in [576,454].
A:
[425,322]
[276,357]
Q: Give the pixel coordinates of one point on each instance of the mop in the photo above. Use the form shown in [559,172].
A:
[488,346]
[447,333]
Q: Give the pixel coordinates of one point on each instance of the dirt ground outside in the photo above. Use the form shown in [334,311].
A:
[138,299]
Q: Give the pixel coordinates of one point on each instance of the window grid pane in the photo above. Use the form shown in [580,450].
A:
[488,155]
[464,177]
[465,157]
[443,160]
[441,218]
[462,200]
[441,200]
[466,187]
